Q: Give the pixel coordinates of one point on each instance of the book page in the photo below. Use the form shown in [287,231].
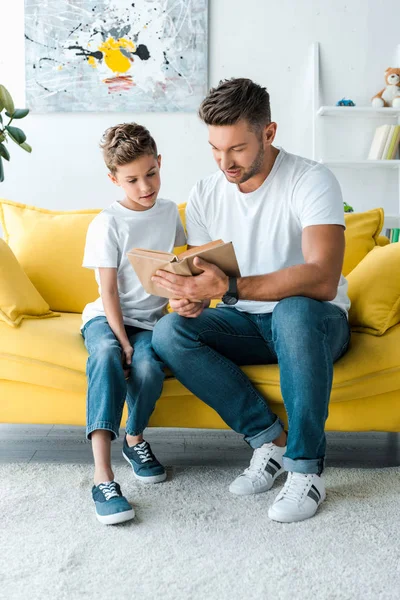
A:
[198,249]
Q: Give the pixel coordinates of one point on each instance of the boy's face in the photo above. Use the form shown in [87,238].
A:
[140,180]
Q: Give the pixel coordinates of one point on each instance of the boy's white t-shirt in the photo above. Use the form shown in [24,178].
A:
[266,225]
[114,232]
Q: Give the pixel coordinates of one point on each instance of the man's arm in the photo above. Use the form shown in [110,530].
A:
[318,277]
[112,308]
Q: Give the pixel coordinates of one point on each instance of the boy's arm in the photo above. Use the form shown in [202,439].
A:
[112,308]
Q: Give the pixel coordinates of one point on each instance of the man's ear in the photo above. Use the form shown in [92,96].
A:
[159,161]
[269,133]
[113,178]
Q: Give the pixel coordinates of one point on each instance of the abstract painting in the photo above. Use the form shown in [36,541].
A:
[115,55]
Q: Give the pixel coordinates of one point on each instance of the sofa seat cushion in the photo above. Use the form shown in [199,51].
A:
[52,353]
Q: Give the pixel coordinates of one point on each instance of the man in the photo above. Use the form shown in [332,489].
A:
[284,215]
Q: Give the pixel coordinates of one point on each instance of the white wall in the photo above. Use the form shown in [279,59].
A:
[266,40]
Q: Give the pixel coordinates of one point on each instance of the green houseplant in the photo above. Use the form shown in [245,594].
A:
[10,131]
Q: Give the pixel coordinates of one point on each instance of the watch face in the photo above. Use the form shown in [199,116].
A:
[229,299]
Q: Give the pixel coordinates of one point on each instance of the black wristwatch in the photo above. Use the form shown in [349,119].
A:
[231,297]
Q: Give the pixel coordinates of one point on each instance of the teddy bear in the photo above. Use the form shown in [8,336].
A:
[390,95]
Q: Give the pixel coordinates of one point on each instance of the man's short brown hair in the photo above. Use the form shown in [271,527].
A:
[236,99]
[124,143]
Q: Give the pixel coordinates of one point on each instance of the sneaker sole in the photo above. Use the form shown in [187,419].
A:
[116,518]
[150,478]
[260,490]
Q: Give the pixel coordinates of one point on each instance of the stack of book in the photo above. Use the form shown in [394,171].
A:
[393,234]
[385,143]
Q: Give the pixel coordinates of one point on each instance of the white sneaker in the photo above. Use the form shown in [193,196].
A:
[299,498]
[265,467]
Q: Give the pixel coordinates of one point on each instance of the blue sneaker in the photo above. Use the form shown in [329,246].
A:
[111,506]
[145,466]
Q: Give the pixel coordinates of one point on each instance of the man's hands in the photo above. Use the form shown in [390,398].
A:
[186,308]
[212,283]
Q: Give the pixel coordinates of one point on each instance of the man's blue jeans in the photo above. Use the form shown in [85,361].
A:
[107,387]
[304,336]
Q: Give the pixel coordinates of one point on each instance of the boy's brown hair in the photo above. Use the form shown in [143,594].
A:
[124,143]
[236,99]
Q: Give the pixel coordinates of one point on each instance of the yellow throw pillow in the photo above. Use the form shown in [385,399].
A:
[49,246]
[362,233]
[18,297]
[374,290]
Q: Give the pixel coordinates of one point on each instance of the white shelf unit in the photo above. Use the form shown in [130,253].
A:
[346,112]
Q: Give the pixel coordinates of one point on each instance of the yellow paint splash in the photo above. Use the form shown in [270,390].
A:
[92,62]
[114,59]
[59,68]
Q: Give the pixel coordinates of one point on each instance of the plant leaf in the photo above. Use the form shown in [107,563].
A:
[16,134]
[6,100]
[26,147]
[4,152]
[1,171]
[19,113]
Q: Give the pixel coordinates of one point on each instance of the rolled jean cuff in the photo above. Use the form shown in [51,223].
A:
[105,425]
[267,435]
[310,466]
[134,432]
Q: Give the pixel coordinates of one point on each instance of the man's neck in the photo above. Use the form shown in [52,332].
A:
[255,182]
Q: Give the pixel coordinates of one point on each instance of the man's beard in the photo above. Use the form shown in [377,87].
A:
[255,167]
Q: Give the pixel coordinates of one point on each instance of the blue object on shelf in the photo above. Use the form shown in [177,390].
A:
[344,102]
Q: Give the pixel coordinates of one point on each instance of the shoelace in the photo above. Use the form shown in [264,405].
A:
[295,486]
[144,452]
[109,490]
[259,460]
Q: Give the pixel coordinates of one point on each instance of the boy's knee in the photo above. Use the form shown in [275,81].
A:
[106,351]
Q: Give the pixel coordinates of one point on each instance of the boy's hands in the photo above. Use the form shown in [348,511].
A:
[187,308]
[127,353]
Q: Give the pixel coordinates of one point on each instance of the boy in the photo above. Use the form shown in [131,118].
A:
[117,327]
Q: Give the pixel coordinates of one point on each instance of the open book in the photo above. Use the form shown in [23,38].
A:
[147,262]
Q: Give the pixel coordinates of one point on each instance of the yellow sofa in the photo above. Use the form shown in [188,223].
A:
[42,361]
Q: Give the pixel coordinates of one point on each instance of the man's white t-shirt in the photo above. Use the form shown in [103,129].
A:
[266,225]
[114,232]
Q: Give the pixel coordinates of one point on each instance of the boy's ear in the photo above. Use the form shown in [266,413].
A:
[159,161]
[113,178]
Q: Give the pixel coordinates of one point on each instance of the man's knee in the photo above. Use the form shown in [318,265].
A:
[164,331]
[294,317]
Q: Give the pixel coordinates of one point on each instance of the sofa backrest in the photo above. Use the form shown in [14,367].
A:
[49,246]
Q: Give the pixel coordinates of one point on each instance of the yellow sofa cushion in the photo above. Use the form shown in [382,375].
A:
[49,246]
[52,353]
[362,234]
[374,290]
[19,299]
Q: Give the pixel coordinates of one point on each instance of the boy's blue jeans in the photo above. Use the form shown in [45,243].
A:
[107,387]
[303,335]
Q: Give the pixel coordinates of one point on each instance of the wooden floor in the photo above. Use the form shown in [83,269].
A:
[180,447]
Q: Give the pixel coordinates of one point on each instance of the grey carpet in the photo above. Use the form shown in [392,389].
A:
[192,539]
